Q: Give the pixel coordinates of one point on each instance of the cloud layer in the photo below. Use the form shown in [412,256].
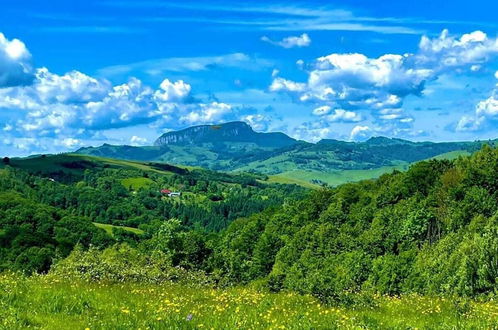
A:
[75,106]
[485,116]
[290,42]
[355,82]
[15,63]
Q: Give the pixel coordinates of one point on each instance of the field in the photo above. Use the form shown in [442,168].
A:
[452,155]
[48,302]
[108,228]
[73,163]
[333,178]
[136,183]
[337,177]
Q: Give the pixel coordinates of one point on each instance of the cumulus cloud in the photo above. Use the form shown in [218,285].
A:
[338,115]
[258,122]
[75,106]
[448,52]
[313,131]
[290,42]
[323,110]
[359,133]
[207,113]
[379,85]
[343,116]
[70,142]
[138,141]
[485,115]
[15,63]
[280,84]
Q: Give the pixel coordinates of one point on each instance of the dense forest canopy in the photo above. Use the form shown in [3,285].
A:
[432,229]
[46,211]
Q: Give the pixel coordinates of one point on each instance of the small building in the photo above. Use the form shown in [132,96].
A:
[170,193]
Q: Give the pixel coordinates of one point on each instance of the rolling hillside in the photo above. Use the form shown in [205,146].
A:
[236,147]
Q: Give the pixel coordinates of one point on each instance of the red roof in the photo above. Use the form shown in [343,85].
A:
[165,191]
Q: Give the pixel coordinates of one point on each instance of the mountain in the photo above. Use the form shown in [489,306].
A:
[235,146]
[231,132]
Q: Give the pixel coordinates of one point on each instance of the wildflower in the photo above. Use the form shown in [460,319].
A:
[189,317]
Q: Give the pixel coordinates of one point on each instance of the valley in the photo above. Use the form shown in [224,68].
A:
[236,147]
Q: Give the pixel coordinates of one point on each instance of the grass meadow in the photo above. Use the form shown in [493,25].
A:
[52,302]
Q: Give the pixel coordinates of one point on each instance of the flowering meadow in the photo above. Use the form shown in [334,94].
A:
[52,302]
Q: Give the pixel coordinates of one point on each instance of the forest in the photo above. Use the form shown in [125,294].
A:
[431,231]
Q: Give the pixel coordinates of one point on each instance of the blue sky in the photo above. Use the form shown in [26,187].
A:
[76,73]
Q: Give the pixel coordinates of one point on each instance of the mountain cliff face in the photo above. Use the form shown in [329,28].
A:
[228,132]
[235,146]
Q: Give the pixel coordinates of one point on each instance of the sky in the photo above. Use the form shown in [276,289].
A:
[81,73]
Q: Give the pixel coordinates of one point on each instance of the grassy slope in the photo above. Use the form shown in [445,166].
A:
[332,178]
[52,163]
[452,155]
[49,302]
[108,228]
[136,183]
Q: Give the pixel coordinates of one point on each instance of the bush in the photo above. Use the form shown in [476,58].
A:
[121,263]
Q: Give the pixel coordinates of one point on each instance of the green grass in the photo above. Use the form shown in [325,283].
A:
[53,163]
[337,177]
[332,178]
[452,155]
[48,302]
[136,183]
[108,228]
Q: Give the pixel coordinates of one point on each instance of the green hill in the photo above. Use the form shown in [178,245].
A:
[235,147]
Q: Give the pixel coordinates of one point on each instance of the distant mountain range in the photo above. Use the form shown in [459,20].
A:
[232,132]
[235,146]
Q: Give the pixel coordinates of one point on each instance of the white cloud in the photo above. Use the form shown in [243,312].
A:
[15,63]
[156,67]
[379,85]
[78,106]
[449,52]
[70,142]
[207,113]
[288,17]
[312,131]
[173,91]
[280,84]
[257,121]
[343,116]
[290,42]
[360,133]
[138,141]
[323,110]
[485,115]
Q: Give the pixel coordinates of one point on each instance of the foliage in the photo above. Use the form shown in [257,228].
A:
[430,230]
[49,204]
[121,263]
[59,302]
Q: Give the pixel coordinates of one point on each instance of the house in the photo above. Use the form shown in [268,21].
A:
[170,193]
